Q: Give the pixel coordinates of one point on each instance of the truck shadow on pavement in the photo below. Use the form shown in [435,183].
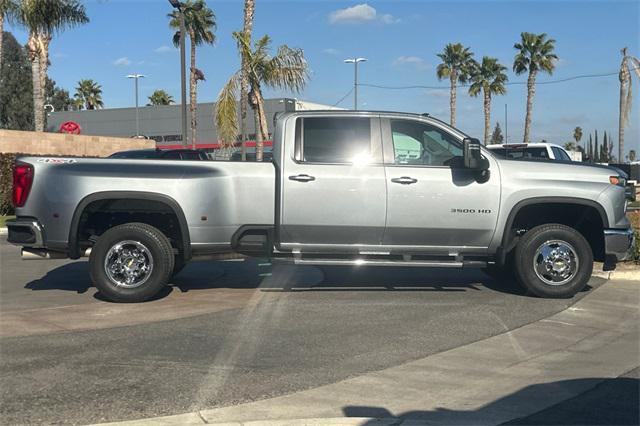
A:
[69,277]
[260,274]
[597,401]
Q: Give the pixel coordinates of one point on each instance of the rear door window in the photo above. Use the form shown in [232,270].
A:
[343,140]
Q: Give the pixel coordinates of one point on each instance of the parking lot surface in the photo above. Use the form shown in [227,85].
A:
[227,333]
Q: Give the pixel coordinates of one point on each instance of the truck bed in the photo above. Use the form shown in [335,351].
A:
[216,196]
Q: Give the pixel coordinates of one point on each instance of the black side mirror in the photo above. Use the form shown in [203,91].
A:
[473,156]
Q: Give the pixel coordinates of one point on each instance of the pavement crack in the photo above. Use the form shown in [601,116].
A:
[202,418]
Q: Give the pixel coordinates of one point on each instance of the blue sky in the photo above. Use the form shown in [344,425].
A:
[399,37]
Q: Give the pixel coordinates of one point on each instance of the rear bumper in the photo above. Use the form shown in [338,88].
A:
[618,243]
[25,232]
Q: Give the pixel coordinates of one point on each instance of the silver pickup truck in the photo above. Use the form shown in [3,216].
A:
[344,188]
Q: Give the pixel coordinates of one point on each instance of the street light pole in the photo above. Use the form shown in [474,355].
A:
[355,62]
[506,125]
[183,73]
[136,77]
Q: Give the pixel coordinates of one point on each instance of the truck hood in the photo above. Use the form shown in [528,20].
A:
[557,171]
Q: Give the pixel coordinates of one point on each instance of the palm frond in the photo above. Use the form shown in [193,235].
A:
[287,70]
[226,114]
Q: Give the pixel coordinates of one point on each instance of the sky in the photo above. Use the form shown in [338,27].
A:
[400,39]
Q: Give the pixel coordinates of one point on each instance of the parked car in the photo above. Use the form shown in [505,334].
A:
[538,151]
[344,188]
[251,155]
[162,154]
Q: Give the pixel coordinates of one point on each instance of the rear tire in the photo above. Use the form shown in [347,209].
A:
[131,263]
[553,261]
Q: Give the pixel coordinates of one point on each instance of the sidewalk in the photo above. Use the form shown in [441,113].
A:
[505,377]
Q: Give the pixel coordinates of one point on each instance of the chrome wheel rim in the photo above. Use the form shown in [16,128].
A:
[128,264]
[556,262]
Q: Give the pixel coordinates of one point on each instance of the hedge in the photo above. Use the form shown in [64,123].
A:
[7,161]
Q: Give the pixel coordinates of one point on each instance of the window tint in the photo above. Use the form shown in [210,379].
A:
[135,154]
[335,140]
[522,153]
[190,155]
[560,154]
[422,144]
[172,155]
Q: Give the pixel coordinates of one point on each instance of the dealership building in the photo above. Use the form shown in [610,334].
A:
[163,123]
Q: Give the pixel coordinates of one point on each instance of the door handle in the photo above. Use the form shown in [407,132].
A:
[404,180]
[302,178]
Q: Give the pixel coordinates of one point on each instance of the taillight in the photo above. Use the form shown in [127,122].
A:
[22,179]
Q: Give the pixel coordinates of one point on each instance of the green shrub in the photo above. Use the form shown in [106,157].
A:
[7,162]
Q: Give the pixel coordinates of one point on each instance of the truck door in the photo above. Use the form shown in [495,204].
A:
[432,202]
[333,186]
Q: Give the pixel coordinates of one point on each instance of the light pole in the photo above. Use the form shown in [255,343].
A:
[183,74]
[137,77]
[355,62]
[506,125]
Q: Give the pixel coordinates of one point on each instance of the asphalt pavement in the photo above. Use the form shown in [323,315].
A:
[272,331]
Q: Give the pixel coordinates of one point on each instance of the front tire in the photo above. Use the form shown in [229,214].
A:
[131,263]
[553,261]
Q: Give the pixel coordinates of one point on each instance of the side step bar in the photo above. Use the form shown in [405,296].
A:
[382,262]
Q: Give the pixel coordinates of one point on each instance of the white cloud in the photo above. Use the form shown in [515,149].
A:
[164,49]
[331,51]
[360,13]
[413,61]
[122,62]
[389,19]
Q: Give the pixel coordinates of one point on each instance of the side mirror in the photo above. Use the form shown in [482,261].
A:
[473,156]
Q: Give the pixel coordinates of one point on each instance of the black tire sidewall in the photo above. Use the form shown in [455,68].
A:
[157,244]
[525,252]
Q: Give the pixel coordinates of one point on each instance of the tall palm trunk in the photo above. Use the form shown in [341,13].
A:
[487,114]
[453,98]
[1,37]
[249,8]
[193,91]
[264,130]
[531,91]
[43,52]
[38,100]
[622,113]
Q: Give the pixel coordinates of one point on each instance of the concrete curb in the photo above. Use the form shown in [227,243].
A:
[625,275]
[196,419]
[492,381]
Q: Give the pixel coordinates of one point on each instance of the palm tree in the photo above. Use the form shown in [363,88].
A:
[286,70]
[89,95]
[249,10]
[456,65]
[7,9]
[160,97]
[43,18]
[535,53]
[200,23]
[577,134]
[489,78]
[628,63]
